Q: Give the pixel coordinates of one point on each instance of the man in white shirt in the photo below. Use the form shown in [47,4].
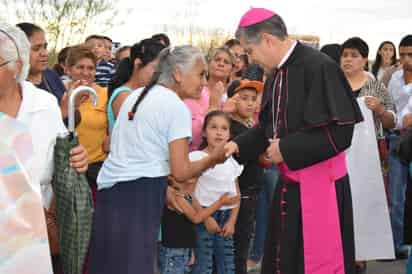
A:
[400,88]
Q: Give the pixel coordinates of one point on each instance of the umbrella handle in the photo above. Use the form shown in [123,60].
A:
[72,99]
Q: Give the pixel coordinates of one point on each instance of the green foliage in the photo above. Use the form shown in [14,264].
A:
[66,22]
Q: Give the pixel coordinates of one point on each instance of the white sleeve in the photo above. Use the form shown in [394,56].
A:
[238,168]
[196,155]
[405,111]
[179,122]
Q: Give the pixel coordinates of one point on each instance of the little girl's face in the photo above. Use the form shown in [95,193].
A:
[217,131]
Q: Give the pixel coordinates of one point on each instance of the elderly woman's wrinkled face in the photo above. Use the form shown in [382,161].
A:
[193,81]
[9,69]
[39,56]
[84,69]
[6,74]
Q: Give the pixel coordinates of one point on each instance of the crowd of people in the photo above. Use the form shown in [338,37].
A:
[265,154]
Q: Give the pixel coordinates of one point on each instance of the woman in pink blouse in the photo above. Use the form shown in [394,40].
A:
[213,94]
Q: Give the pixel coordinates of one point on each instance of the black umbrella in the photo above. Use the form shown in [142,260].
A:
[74,206]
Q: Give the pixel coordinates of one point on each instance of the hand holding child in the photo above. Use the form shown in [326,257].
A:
[228,230]
[227,200]
[211,226]
[171,202]
[218,154]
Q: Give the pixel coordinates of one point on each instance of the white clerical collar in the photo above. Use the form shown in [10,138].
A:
[287,55]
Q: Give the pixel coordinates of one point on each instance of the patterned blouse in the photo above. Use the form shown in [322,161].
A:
[377,89]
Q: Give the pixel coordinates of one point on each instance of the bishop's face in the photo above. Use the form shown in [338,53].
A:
[263,53]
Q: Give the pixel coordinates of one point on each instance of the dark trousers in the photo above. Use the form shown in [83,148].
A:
[243,231]
[126,226]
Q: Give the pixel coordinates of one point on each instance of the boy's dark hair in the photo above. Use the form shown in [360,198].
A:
[94,36]
[358,44]
[61,59]
[406,41]
[29,29]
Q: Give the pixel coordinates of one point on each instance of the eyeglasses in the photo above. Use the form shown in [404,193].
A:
[5,63]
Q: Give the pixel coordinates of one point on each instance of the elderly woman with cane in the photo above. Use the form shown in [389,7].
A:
[39,111]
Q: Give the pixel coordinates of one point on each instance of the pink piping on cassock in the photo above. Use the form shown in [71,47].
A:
[331,139]
[287,102]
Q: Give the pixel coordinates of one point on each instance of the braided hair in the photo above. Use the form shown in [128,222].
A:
[181,57]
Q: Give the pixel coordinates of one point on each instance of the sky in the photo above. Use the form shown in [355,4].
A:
[331,20]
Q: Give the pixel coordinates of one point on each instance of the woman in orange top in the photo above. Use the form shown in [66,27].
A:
[93,127]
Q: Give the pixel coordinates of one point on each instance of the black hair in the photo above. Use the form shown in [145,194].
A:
[232,87]
[107,38]
[358,44]
[162,37]
[151,84]
[209,116]
[29,29]
[94,36]
[378,59]
[146,50]
[122,49]
[232,42]
[253,72]
[333,51]
[245,60]
[61,59]
[406,41]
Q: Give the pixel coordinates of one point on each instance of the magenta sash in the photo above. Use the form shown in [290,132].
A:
[322,243]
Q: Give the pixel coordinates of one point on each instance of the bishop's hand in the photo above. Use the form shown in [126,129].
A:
[231,148]
[273,153]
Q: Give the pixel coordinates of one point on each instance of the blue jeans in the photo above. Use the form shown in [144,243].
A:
[409,270]
[174,260]
[270,178]
[398,179]
[214,245]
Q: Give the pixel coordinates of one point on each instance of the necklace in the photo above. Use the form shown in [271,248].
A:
[276,114]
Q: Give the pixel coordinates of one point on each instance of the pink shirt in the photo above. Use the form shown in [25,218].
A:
[198,108]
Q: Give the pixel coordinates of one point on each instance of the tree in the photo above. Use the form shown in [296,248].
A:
[185,29]
[65,21]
